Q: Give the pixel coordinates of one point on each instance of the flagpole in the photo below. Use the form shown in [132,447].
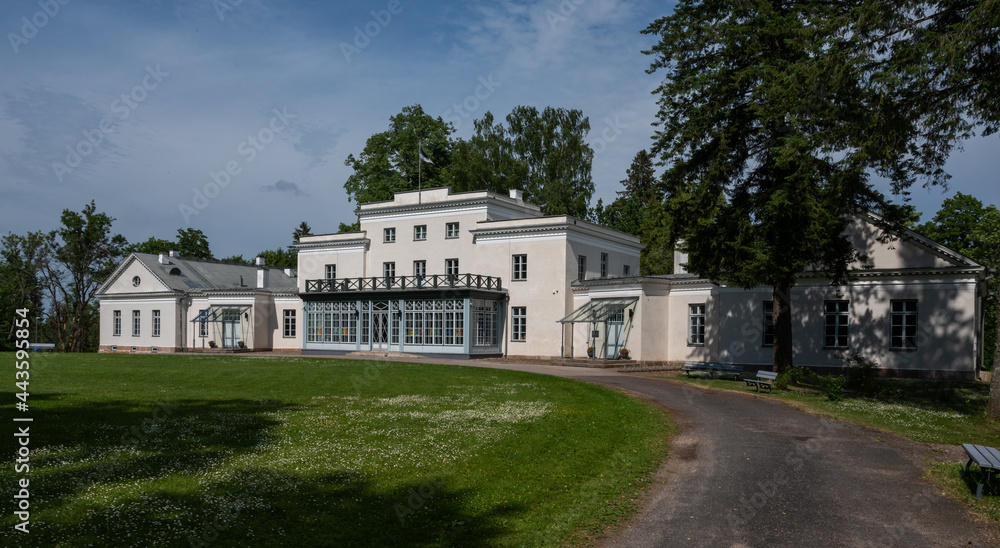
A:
[420,162]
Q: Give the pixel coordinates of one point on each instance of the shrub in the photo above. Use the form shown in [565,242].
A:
[862,375]
[804,376]
[835,387]
[781,383]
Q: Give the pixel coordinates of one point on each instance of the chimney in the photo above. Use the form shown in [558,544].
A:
[173,253]
[262,277]
[291,272]
[517,194]
[164,259]
[259,261]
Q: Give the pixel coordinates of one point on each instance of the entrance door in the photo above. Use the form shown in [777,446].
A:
[380,326]
[230,334]
[616,334]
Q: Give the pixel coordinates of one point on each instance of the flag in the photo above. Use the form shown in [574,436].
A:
[424,156]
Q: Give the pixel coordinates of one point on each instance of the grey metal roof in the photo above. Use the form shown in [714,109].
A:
[599,310]
[197,275]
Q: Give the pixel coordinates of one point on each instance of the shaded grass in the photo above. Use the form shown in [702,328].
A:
[237,450]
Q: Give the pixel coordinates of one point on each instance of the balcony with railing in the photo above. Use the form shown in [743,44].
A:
[404,283]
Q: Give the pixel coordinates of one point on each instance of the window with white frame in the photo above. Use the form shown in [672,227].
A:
[696,324]
[451,267]
[520,268]
[117,324]
[136,322]
[604,265]
[451,230]
[420,271]
[156,323]
[581,267]
[626,270]
[768,323]
[903,323]
[518,323]
[203,324]
[331,271]
[389,272]
[837,319]
[289,324]
[420,232]
[389,235]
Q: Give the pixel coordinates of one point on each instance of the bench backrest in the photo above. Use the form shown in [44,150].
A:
[770,375]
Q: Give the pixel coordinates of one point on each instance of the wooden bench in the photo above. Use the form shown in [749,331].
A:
[764,378]
[712,368]
[988,459]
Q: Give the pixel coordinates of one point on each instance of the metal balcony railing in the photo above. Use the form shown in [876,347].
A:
[396,283]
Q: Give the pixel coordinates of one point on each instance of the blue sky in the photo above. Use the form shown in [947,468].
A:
[156,100]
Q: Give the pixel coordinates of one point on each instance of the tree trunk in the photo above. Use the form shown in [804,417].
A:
[993,407]
[782,326]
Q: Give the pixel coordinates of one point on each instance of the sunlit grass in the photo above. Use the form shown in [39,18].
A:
[242,450]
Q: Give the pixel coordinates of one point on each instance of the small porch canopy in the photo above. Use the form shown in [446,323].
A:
[599,310]
[230,324]
[218,314]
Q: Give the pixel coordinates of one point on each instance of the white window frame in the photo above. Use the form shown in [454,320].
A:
[116,324]
[330,271]
[288,325]
[451,267]
[626,270]
[156,323]
[519,323]
[420,233]
[901,315]
[604,265]
[451,231]
[581,267]
[696,324]
[519,267]
[389,272]
[389,235]
[836,315]
[203,325]
[136,323]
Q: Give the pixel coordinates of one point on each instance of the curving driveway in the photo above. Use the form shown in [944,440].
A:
[750,471]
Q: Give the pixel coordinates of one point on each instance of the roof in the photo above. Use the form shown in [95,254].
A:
[189,275]
[599,310]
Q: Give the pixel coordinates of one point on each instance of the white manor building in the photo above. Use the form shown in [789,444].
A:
[479,274]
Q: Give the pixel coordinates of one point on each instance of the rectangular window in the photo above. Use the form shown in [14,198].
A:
[117,324]
[604,265]
[520,268]
[696,323]
[626,270]
[903,320]
[389,235]
[203,325]
[768,323]
[420,232]
[289,330]
[451,267]
[581,268]
[837,319]
[451,230]
[136,322]
[331,271]
[156,323]
[518,323]
[419,272]
[389,273]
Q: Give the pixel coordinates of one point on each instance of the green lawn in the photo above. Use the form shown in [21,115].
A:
[242,450]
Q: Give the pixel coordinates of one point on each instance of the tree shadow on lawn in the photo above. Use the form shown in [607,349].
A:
[122,473]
